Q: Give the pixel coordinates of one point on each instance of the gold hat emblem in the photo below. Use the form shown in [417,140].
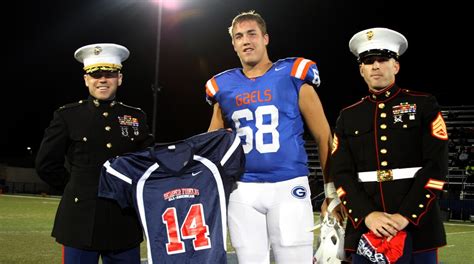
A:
[370,35]
[97,50]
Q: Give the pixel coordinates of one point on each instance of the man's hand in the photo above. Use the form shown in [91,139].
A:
[338,212]
[382,224]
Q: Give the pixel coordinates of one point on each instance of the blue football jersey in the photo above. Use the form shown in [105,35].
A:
[180,192]
[265,113]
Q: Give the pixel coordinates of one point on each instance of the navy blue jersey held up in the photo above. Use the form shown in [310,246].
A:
[180,192]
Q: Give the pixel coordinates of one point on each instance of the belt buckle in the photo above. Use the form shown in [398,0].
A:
[384,175]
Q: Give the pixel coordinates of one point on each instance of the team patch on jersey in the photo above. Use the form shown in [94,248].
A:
[340,192]
[435,184]
[438,128]
[335,144]
[180,193]
[299,192]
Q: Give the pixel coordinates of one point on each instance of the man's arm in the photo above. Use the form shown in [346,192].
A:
[50,158]
[216,121]
[313,114]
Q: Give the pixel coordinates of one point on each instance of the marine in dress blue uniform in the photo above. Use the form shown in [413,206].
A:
[79,139]
[390,152]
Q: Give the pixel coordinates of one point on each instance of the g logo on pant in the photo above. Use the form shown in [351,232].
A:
[299,192]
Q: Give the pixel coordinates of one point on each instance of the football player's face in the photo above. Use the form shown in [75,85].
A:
[379,74]
[249,42]
[103,87]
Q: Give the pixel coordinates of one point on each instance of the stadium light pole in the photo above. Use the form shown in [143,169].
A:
[155,87]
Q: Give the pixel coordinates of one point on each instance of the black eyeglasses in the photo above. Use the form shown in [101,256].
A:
[106,74]
[372,59]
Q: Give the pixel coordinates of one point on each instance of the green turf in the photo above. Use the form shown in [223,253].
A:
[26,222]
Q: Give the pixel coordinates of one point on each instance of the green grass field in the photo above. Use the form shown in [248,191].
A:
[26,222]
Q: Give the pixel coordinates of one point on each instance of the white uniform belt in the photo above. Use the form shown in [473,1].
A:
[387,175]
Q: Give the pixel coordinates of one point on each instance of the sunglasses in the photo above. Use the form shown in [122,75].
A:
[106,74]
[372,59]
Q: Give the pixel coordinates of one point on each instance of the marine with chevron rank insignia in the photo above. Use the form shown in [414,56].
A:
[390,156]
[84,135]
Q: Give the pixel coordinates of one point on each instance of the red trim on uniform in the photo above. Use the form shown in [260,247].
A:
[376,135]
[354,104]
[388,99]
[430,249]
[295,66]
[417,222]
[415,93]
[383,90]
[62,260]
[306,68]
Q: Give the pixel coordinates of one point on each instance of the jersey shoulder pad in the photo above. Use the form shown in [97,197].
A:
[305,70]
[211,85]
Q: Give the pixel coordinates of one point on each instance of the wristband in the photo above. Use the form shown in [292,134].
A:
[330,190]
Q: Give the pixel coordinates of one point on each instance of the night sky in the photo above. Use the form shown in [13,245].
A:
[42,74]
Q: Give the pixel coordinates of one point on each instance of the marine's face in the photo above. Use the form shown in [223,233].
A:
[379,74]
[103,85]
[249,42]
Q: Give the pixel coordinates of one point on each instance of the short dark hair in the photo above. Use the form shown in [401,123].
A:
[249,15]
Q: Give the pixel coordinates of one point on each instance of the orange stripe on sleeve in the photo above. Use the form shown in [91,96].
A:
[211,87]
[306,68]
[295,66]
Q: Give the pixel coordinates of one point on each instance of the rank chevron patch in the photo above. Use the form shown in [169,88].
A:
[435,184]
[438,128]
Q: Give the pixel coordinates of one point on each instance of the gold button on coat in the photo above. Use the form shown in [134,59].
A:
[84,139]
[383,138]
[383,115]
[383,151]
[421,206]
[109,145]
[106,114]
[108,128]
[383,126]
[384,163]
[381,105]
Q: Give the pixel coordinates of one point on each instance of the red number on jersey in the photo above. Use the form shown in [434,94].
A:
[194,226]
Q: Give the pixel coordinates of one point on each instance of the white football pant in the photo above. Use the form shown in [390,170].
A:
[278,214]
